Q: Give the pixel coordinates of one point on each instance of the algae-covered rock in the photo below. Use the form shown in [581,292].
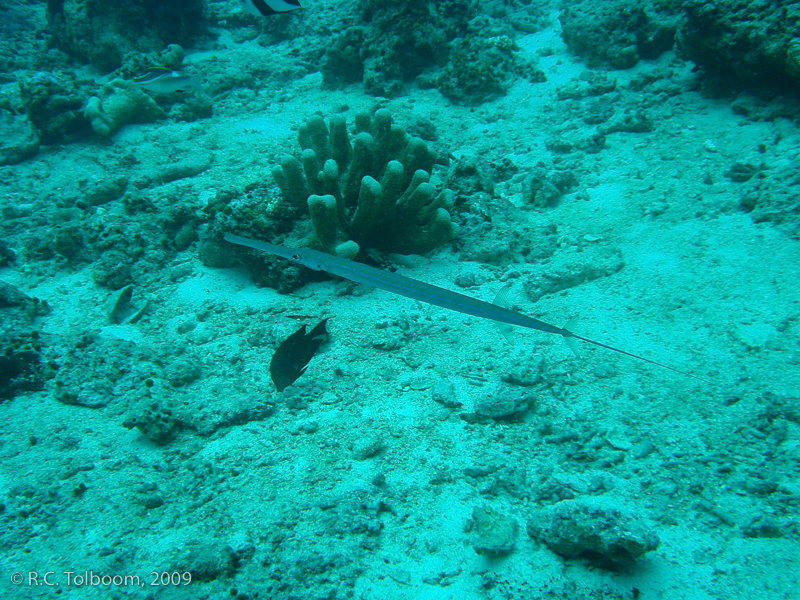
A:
[394,42]
[7,255]
[18,139]
[619,33]
[390,43]
[113,270]
[102,33]
[502,402]
[54,103]
[481,68]
[206,561]
[183,372]
[566,271]
[21,368]
[493,532]
[594,529]
[739,45]
[120,102]
[187,167]
[543,187]
[157,423]
[104,191]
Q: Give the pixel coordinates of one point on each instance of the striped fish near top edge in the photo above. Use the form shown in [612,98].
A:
[275,7]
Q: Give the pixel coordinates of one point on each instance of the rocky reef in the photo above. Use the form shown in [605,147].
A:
[101,33]
[744,45]
[736,46]
[621,33]
[464,50]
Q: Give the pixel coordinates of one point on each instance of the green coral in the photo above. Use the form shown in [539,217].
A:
[372,191]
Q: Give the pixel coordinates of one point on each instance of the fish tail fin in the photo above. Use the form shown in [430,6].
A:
[571,340]
[502,300]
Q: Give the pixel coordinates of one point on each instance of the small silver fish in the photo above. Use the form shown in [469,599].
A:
[265,8]
[164,81]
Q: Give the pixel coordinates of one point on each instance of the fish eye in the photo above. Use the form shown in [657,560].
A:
[296,257]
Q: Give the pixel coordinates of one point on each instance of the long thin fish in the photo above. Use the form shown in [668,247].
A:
[425,292]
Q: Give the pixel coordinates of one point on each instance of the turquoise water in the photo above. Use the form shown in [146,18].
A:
[606,165]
